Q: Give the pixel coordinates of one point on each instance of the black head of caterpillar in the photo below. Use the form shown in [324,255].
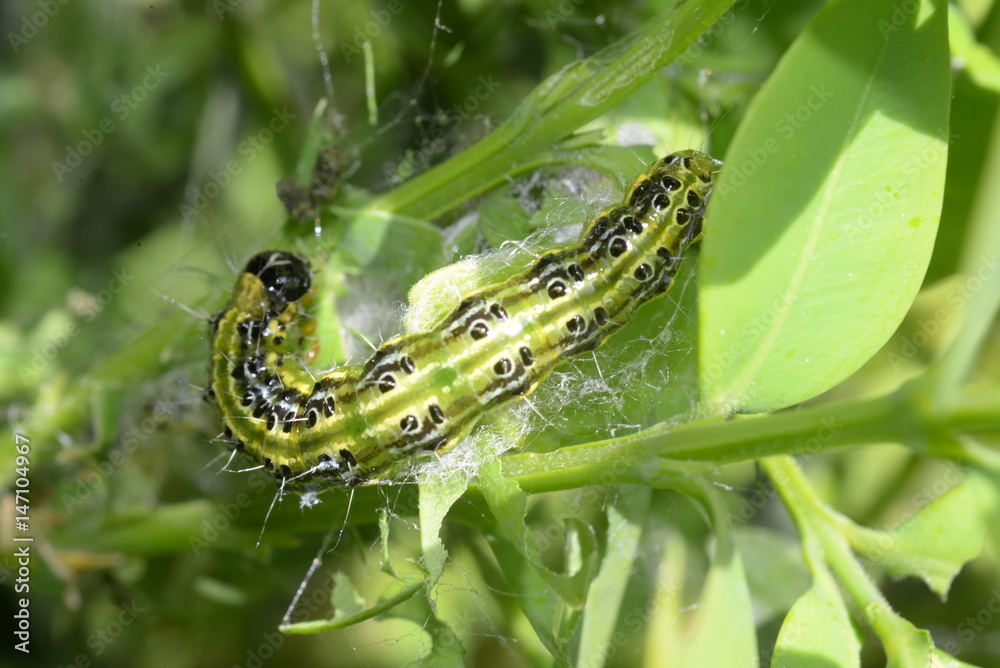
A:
[286,277]
[422,392]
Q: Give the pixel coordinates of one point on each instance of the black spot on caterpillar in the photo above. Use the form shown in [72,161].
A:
[423,392]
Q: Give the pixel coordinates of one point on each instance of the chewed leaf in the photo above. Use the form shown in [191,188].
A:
[936,542]
[437,495]
[824,218]
[509,503]
[346,600]
[445,647]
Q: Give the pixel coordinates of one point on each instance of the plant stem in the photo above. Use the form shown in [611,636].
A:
[812,515]
[813,518]
[901,417]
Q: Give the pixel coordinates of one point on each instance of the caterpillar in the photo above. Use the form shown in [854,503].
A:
[423,392]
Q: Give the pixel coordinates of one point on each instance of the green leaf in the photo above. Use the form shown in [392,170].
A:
[817,632]
[942,660]
[328,282]
[501,217]
[692,636]
[824,217]
[318,134]
[349,605]
[906,646]
[401,248]
[981,63]
[776,574]
[346,599]
[537,600]
[936,542]
[446,650]
[508,503]
[437,495]
[626,517]
[543,594]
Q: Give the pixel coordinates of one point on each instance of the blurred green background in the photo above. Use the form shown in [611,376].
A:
[141,142]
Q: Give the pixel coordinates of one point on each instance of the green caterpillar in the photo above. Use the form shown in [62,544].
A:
[424,392]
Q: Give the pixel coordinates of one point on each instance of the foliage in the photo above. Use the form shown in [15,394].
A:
[684,498]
